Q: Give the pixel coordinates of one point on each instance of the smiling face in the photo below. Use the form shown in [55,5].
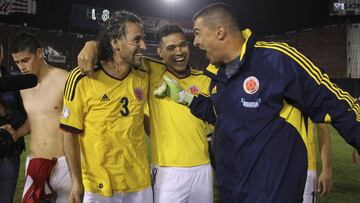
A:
[131,45]
[29,62]
[174,50]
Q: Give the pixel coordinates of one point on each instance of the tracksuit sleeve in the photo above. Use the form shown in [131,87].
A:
[203,108]
[312,91]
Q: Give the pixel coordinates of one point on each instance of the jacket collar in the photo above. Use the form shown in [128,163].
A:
[218,73]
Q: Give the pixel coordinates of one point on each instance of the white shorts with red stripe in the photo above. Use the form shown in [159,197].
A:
[60,180]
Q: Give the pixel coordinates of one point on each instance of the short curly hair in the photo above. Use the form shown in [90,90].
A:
[167,30]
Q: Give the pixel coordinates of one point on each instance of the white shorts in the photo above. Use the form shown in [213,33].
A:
[310,187]
[60,180]
[183,184]
[143,196]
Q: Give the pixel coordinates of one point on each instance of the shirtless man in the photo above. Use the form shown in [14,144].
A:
[46,162]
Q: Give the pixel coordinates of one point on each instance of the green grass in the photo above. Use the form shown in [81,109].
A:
[346,175]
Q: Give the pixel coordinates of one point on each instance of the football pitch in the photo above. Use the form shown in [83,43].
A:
[346,175]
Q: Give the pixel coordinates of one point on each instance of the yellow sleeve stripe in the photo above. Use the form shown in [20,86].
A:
[71,83]
[313,71]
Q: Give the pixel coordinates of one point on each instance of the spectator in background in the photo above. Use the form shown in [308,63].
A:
[322,184]
[11,112]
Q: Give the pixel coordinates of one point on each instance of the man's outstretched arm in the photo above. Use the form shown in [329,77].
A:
[200,105]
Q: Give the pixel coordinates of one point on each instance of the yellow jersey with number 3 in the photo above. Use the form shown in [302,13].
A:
[108,114]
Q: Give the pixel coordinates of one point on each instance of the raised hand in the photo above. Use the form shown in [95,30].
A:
[172,89]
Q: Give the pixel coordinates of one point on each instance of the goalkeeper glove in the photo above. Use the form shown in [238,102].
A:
[172,89]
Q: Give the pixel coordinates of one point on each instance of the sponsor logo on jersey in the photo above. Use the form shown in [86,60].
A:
[251,105]
[104,98]
[65,112]
[194,90]
[251,85]
[138,93]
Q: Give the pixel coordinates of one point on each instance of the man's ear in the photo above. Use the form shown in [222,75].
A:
[114,44]
[221,32]
[40,52]
[159,51]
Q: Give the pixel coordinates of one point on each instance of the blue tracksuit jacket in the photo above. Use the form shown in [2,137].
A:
[260,126]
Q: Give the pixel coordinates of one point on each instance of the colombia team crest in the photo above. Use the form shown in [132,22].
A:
[194,90]
[251,85]
[138,93]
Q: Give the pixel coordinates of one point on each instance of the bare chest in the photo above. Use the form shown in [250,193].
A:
[42,100]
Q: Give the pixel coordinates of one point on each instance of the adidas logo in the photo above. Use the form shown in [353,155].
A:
[104,98]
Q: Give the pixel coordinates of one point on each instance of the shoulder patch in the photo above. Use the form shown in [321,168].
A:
[70,85]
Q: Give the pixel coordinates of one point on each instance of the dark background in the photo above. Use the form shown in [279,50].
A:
[62,24]
[263,16]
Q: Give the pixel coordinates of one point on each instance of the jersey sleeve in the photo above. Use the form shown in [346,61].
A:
[203,108]
[308,88]
[73,105]
[156,68]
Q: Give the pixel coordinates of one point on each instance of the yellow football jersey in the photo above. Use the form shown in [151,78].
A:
[178,138]
[311,146]
[108,113]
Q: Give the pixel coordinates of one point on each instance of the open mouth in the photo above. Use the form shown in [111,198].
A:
[179,60]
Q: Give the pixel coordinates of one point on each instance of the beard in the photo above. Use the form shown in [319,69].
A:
[134,61]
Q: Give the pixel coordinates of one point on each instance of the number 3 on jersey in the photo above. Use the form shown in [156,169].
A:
[125,110]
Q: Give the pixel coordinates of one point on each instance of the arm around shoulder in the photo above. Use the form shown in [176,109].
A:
[87,58]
